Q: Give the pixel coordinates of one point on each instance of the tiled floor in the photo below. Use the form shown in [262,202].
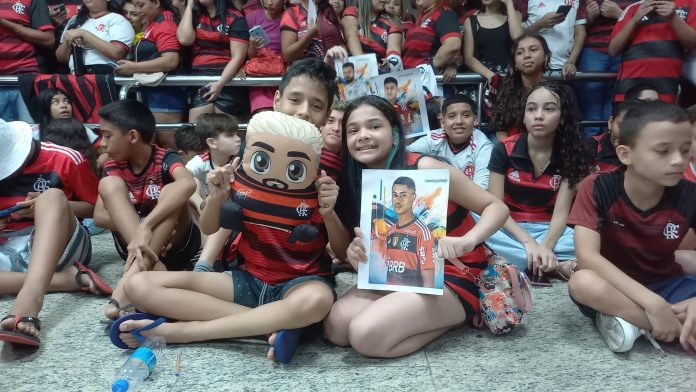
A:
[557,349]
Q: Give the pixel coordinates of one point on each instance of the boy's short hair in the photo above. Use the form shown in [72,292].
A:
[643,113]
[634,92]
[622,107]
[407,181]
[187,139]
[130,114]
[212,125]
[459,98]
[390,80]
[691,113]
[339,105]
[314,69]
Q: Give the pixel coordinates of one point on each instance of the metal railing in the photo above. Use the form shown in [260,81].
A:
[128,83]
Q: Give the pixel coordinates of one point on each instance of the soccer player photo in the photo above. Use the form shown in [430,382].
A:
[405,213]
[404,90]
[354,75]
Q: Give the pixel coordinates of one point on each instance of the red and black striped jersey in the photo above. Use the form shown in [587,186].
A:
[530,198]
[159,37]
[690,172]
[654,54]
[599,30]
[639,243]
[144,188]
[604,152]
[295,19]
[18,55]
[426,35]
[411,244]
[211,50]
[380,29]
[50,166]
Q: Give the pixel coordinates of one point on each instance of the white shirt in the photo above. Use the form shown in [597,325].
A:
[111,27]
[472,160]
[560,37]
[200,166]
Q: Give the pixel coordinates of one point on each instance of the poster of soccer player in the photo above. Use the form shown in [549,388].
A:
[404,91]
[403,216]
[354,75]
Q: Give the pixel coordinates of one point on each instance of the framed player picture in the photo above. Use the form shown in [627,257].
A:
[403,214]
[354,75]
[404,91]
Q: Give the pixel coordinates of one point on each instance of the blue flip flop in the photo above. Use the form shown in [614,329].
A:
[115,329]
[286,343]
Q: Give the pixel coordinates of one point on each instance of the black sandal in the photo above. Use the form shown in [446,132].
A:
[17,337]
[128,308]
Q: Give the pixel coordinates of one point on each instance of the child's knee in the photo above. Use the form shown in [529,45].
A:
[584,284]
[53,196]
[366,337]
[336,326]
[313,301]
[111,185]
[136,286]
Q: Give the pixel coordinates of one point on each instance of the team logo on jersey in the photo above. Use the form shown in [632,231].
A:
[101,27]
[425,23]
[395,241]
[131,197]
[384,36]
[19,8]
[555,182]
[41,185]
[671,231]
[514,176]
[404,244]
[302,209]
[153,191]
[469,170]
[243,193]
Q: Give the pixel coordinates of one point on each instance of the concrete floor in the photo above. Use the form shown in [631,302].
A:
[556,349]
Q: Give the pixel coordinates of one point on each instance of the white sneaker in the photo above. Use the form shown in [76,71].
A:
[617,332]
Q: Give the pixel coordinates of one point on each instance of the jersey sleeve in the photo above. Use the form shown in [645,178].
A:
[521,5]
[289,20]
[585,211]
[623,20]
[238,29]
[84,183]
[165,37]
[447,26]
[331,163]
[110,169]
[170,162]
[350,11]
[421,146]
[581,15]
[121,32]
[499,159]
[482,158]
[425,251]
[39,18]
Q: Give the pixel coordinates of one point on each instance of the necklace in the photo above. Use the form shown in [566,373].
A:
[538,172]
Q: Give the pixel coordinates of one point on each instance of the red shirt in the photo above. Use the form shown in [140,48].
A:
[380,29]
[653,55]
[18,55]
[599,31]
[295,19]
[409,250]
[530,198]
[159,37]
[690,172]
[144,188]
[426,35]
[639,243]
[51,166]
[606,159]
[211,50]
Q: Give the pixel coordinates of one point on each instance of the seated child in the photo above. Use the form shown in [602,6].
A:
[143,198]
[269,295]
[535,174]
[604,145]
[628,225]
[188,142]
[459,142]
[42,246]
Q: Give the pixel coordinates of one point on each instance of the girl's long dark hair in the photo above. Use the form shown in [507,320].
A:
[221,7]
[83,14]
[70,133]
[509,102]
[42,108]
[569,143]
[348,203]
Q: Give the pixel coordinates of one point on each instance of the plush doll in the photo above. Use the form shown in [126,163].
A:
[275,184]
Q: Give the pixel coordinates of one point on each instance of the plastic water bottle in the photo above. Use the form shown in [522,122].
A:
[139,365]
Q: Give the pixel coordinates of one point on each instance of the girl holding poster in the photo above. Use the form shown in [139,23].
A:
[373,138]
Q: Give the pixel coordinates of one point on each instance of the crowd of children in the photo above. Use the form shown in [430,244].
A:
[613,214]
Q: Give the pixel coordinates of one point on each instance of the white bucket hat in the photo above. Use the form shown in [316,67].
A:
[15,145]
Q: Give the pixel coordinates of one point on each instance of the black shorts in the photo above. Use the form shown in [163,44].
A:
[233,100]
[176,260]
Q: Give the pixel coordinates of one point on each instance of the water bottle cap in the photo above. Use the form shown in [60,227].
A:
[119,385]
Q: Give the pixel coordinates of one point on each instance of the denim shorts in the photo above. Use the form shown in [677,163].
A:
[674,290]
[252,292]
[165,99]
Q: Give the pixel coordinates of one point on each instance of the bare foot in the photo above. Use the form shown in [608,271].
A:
[85,280]
[112,312]
[271,351]
[131,341]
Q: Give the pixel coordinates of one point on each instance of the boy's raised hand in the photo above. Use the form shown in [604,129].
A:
[665,324]
[220,180]
[328,193]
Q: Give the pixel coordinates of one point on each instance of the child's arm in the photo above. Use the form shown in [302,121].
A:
[292,47]
[339,238]
[219,187]
[481,173]
[686,313]
[662,318]
[620,41]
[579,34]
[349,25]
[561,210]
[212,248]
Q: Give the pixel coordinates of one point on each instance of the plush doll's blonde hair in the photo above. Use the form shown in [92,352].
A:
[280,124]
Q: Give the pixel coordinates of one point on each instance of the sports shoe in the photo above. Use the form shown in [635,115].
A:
[617,332]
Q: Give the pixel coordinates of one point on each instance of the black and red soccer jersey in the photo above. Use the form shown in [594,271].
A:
[144,188]
[269,217]
[599,30]
[50,166]
[640,243]
[295,19]
[654,54]
[426,35]
[409,250]
[606,159]
[159,37]
[690,172]
[530,198]
[380,29]
[18,55]
[211,50]
[331,163]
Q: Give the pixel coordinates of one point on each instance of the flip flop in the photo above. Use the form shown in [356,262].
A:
[115,329]
[567,269]
[120,309]
[286,343]
[102,287]
[18,337]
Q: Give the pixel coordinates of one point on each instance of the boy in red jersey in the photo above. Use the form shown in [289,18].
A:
[42,245]
[628,225]
[143,197]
